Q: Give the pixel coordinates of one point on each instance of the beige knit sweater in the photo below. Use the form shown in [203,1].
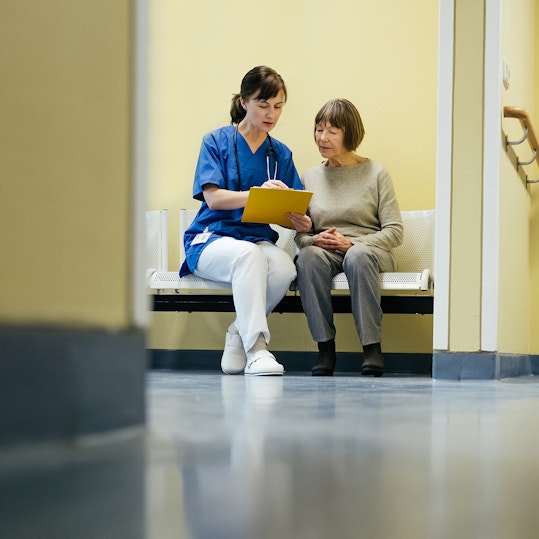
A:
[359,200]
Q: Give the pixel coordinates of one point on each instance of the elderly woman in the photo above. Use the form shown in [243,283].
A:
[352,225]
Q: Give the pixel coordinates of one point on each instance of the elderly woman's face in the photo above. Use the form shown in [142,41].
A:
[329,140]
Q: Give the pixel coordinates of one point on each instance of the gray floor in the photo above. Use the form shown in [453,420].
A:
[295,457]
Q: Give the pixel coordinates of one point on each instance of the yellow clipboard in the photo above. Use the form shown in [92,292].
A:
[270,206]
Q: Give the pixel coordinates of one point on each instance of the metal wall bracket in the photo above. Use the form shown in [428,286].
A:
[516,142]
[522,116]
[520,163]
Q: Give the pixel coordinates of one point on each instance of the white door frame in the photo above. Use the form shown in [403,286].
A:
[491,175]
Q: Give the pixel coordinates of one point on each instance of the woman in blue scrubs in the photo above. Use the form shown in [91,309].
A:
[218,245]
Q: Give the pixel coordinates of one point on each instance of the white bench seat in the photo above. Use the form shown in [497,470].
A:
[415,257]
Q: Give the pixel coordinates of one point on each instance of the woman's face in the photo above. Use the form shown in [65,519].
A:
[330,140]
[264,114]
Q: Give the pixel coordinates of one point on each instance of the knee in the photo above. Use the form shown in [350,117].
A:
[249,254]
[308,257]
[284,266]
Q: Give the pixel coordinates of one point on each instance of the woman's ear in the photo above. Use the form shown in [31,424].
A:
[243,103]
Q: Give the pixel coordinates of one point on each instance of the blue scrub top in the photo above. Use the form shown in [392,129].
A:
[217,166]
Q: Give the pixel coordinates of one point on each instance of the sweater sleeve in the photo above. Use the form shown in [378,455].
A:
[304,239]
[391,231]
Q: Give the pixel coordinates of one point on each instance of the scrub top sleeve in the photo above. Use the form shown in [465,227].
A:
[291,176]
[209,169]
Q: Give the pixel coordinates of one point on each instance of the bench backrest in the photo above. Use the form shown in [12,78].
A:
[414,255]
[157,239]
[417,250]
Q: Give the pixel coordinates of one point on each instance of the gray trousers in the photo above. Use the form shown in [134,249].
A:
[362,263]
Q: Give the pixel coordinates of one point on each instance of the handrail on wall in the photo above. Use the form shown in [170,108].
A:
[529,134]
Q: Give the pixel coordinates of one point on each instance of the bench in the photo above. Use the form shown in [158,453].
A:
[410,290]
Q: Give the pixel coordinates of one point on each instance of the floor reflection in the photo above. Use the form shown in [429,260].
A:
[293,457]
[346,457]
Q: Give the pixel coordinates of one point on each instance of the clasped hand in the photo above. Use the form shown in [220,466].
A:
[332,240]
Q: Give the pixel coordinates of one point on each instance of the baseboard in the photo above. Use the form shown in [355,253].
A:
[534,364]
[63,384]
[294,362]
[482,366]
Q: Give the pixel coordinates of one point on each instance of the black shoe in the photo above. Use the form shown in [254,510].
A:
[325,364]
[373,362]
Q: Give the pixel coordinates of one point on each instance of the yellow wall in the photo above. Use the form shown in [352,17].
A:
[519,253]
[65,139]
[534,215]
[467,165]
[381,55]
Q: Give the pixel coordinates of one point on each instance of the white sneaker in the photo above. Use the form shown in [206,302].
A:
[264,364]
[234,358]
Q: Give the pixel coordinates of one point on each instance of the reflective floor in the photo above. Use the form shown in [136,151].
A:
[296,457]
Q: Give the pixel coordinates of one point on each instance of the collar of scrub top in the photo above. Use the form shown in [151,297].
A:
[270,152]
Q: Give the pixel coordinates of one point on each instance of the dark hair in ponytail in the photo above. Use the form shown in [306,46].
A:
[261,82]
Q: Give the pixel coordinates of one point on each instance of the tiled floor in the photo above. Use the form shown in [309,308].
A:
[296,457]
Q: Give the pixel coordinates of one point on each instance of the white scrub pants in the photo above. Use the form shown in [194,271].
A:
[260,275]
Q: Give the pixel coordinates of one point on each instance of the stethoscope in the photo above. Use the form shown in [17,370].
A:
[270,152]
